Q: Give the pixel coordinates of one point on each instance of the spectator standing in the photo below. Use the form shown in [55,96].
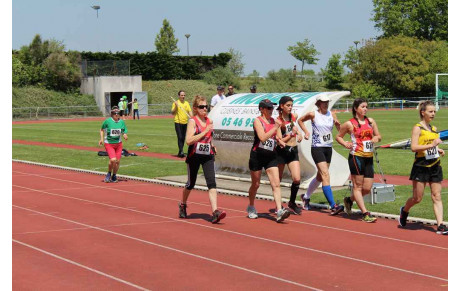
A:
[230,91]
[121,107]
[218,97]
[135,107]
[125,106]
[181,111]
[253,89]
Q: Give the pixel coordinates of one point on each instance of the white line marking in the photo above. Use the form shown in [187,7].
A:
[237,210]
[244,235]
[83,228]
[80,265]
[176,250]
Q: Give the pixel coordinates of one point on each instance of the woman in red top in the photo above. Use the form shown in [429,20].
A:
[200,152]
[289,155]
[263,155]
[364,134]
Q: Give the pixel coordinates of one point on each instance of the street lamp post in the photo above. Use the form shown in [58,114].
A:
[356,44]
[96,7]
[187,36]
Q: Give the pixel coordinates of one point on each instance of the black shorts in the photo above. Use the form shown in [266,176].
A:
[360,166]
[260,160]
[287,154]
[426,174]
[321,154]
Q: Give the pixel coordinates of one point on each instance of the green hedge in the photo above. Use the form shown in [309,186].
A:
[154,66]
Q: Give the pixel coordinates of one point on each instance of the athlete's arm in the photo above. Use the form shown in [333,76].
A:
[336,121]
[415,147]
[377,137]
[301,120]
[345,128]
[263,136]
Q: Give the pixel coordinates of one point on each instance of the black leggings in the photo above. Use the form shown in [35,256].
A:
[181,130]
[193,165]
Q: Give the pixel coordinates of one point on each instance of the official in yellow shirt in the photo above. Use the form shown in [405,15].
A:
[181,111]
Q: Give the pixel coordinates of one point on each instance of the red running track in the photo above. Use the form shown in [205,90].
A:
[72,231]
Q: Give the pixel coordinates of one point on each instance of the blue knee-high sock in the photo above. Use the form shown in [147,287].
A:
[328,194]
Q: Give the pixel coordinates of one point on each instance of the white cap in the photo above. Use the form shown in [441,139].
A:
[323,97]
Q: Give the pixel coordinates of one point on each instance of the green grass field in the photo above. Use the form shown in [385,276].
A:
[160,136]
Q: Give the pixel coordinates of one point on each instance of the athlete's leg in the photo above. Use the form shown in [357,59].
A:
[273,176]
[294,168]
[417,195]
[437,201]
[281,170]
[357,195]
[255,183]
[210,177]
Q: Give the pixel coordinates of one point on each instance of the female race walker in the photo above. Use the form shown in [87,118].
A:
[322,123]
[289,155]
[427,165]
[263,155]
[111,131]
[364,133]
[200,152]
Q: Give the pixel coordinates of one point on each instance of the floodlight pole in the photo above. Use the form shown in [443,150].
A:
[96,7]
[187,36]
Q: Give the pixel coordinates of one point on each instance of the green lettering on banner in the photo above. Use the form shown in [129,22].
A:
[299,98]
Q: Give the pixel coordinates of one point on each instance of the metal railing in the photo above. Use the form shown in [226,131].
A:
[55,112]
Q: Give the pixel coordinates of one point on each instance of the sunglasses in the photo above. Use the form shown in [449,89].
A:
[202,106]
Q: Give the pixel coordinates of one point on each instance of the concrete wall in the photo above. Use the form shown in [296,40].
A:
[98,86]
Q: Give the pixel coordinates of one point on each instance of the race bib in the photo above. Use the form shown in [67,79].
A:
[115,132]
[368,146]
[203,148]
[289,128]
[269,144]
[326,139]
[431,153]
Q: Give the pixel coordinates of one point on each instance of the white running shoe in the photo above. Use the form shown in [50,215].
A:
[252,212]
[282,214]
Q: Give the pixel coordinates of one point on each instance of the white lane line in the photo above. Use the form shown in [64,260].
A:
[237,210]
[80,265]
[175,250]
[248,235]
[83,228]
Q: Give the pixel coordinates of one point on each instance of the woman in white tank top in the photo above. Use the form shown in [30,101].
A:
[322,123]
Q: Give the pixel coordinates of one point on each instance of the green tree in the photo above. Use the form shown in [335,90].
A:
[254,77]
[165,41]
[351,58]
[424,19]
[305,52]
[403,65]
[333,74]
[236,62]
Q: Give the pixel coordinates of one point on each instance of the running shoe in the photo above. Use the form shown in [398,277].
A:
[442,229]
[114,179]
[282,214]
[336,209]
[252,213]
[348,204]
[295,209]
[182,210]
[403,217]
[218,215]
[367,217]
[108,178]
[306,202]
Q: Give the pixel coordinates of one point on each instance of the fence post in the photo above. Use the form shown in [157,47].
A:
[401,104]
[347,107]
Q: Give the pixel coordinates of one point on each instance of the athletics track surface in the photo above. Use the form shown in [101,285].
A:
[71,231]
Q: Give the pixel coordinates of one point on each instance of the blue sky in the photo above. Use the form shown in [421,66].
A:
[260,30]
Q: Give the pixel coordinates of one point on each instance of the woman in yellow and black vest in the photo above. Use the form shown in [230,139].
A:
[427,165]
